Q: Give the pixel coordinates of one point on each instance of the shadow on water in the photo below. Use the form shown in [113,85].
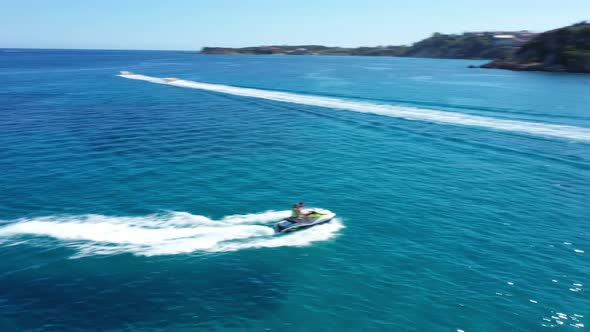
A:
[128,292]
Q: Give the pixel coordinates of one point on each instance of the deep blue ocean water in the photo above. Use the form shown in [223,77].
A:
[132,206]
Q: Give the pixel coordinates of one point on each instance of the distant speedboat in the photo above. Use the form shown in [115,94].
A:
[124,72]
[315,217]
[170,79]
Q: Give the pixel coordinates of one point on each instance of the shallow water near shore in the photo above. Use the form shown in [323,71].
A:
[133,206]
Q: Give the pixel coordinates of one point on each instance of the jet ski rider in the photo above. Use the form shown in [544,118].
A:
[297,213]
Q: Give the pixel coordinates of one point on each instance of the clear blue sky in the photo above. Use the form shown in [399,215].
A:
[191,24]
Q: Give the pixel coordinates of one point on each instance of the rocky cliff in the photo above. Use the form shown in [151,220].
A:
[561,50]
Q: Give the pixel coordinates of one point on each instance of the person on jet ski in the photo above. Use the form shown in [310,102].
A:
[297,213]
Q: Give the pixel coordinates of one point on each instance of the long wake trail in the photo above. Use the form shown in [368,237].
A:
[409,113]
[159,234]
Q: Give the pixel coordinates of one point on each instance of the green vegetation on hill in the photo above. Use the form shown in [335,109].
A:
[565,49]
[309,50]
[482,45]
[465,46]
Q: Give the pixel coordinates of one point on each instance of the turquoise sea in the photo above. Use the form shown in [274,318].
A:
[132,203]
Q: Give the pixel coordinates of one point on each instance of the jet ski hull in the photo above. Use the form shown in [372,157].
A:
[317,217]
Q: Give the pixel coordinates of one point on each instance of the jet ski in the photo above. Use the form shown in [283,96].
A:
[316,217]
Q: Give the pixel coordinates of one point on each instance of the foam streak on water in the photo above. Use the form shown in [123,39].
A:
[165,234]
[408,113]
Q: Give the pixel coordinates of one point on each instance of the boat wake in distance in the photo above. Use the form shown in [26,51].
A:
[581,134]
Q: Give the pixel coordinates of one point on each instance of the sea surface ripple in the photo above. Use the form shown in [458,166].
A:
[462,194]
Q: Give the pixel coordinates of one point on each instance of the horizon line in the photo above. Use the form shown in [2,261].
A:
[98,49]
[259,45]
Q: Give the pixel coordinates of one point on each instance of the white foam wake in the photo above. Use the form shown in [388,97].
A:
[163,234]
[404,112]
